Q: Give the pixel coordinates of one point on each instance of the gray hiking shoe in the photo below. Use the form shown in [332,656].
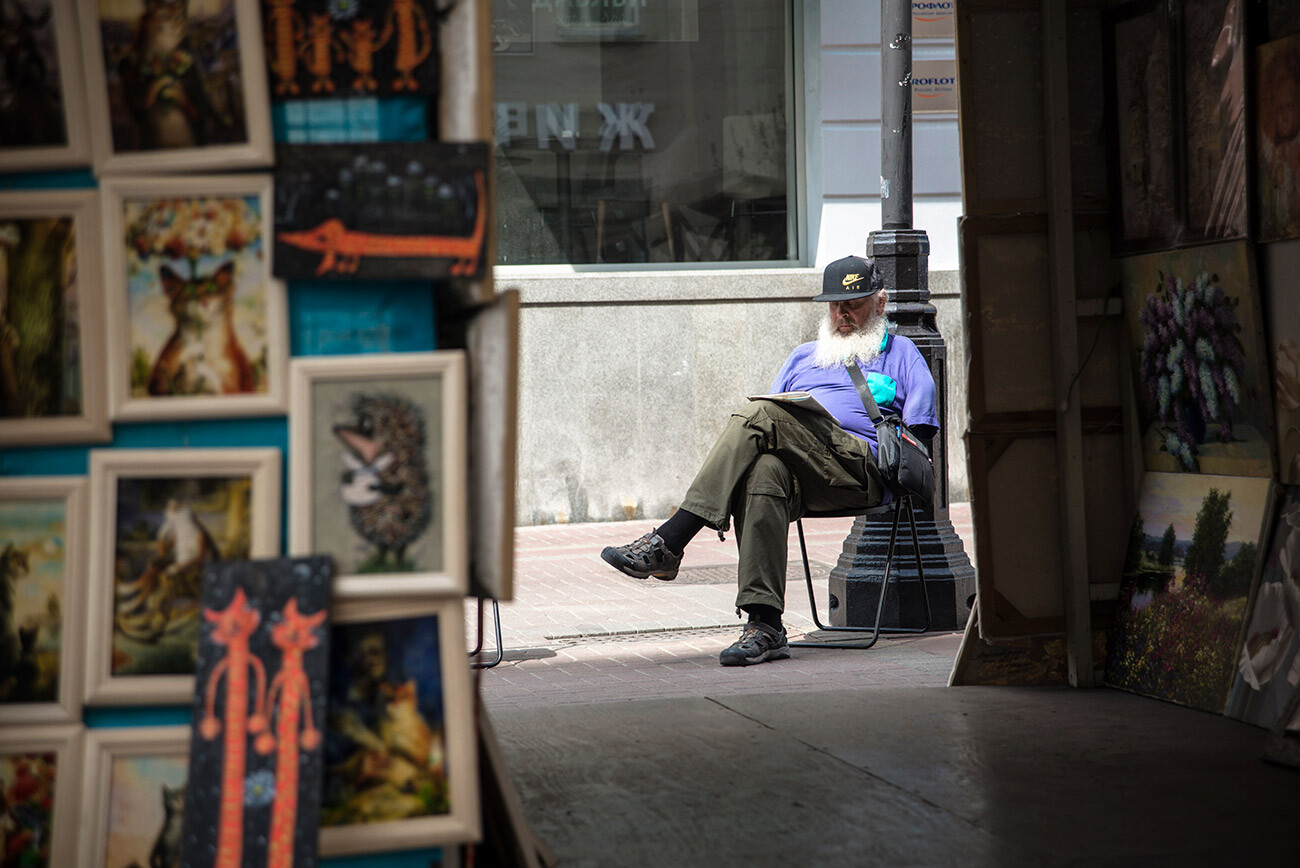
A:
[758,643]
[644,557]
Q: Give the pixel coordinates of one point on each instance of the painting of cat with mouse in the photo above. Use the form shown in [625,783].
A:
[199,324]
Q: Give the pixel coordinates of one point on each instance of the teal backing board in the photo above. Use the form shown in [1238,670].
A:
[325,318]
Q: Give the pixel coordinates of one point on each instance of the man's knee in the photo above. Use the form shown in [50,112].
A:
[769,476]
[760,412]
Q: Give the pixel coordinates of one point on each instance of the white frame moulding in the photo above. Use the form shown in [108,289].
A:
[124,406]
[463,823]
[257,151]
[91,425]
[72,491]
[102,746]
[107,466]
[450,367]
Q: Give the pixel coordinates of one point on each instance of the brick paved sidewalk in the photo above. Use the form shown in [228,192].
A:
[580,632]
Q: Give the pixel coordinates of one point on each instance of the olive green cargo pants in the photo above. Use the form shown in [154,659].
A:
[771,465]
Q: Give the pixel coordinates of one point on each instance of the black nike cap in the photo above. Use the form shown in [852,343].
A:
[849,278]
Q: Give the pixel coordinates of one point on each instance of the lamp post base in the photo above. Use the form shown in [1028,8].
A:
[855,581]
[901,255]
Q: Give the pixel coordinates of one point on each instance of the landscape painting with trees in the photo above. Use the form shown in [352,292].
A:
[1192,556]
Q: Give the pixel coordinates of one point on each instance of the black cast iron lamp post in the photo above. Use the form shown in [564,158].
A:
[900,252]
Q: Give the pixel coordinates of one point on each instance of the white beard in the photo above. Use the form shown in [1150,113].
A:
[835,350]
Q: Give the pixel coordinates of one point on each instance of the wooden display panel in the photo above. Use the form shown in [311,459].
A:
[999,51]
[1016,509]
[1008,304]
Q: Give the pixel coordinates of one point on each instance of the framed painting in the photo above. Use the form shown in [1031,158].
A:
[1196,338]
[135,783]
[381,211]
[1277,137]
[51,308]
[42,598]
[401,768]
[1193,554]
[197,327]
[43,118]
[1281,18]
[1268,664]
[317,48]
[40,768]
[1213,74]
[378,470]
[1142,125]
[175,85]
[1278,263]
[161,516]
[259,714]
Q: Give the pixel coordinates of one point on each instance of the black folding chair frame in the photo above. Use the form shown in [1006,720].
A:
[904,504]
[496,620]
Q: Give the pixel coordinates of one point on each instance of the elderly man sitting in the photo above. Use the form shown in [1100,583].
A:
[776,460]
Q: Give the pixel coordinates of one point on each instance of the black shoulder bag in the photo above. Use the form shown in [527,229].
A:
[904,462]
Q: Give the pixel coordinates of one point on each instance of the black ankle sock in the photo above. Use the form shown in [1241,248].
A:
[765,614]
[679,529]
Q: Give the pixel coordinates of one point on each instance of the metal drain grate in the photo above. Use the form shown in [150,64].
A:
[725,574]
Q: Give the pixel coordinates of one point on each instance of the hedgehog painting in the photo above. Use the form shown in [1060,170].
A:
[385,478]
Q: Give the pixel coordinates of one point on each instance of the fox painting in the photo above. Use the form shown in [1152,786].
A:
[203,354]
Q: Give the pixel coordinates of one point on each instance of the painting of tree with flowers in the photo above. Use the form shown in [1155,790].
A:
[1181,605]
[1196,331]
[202,330]
[1268,662]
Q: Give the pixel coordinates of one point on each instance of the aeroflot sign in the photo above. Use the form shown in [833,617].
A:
[934,86]
[932,18]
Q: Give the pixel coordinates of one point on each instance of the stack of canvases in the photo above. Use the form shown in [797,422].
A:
[1209,611]
[332,707]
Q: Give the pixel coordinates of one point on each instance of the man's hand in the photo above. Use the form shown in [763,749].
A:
[925,432]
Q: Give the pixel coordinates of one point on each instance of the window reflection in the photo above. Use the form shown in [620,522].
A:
[642,131]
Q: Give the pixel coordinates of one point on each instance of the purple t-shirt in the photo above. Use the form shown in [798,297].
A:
[899,378]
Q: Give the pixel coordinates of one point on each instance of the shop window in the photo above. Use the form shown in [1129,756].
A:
[643,131]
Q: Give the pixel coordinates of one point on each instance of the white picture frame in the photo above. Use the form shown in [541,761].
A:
[102,747]
[65,742]
[85,285]
[462,822]
[141,304]
[321,522]
[147,611]
[253,149]
[39,539]
[75,150]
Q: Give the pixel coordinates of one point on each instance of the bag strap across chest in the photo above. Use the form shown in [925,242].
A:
[864,392]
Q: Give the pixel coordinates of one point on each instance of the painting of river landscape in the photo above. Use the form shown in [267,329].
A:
[1192,557]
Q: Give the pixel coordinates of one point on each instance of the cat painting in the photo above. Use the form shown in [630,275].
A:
[166,852]
[203,355]
[163,87]
[384,743]
[172,70]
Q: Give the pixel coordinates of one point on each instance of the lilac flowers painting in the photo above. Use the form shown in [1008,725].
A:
[1194,319]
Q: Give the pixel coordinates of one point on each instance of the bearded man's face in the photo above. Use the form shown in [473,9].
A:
[851,330]
[850,317]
